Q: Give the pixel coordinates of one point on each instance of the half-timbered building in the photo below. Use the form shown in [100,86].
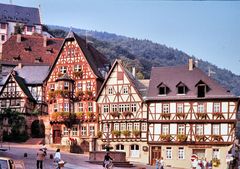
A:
[123,115]
[22,90]
[189,113]
[72,86]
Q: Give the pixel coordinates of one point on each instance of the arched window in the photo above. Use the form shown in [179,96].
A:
[134,150]
[119,147]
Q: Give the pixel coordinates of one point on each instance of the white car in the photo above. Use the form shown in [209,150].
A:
[6,163]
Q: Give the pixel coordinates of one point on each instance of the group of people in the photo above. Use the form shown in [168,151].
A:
[42,153]
[201,164]
[159,163]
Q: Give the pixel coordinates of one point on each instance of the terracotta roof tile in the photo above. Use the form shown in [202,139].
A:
[30,50]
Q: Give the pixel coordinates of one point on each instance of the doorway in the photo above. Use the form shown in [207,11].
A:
[156,154]
[199,152]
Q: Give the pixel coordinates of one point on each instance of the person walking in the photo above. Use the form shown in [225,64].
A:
[40,158]
[157,163]
[161,163]
[57,157]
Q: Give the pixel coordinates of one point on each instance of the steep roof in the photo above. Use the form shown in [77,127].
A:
[30,50]
[96,60]
[171,76]
[13,13]
[139,87]
[30,74]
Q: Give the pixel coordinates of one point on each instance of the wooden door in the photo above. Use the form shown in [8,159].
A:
[56,136]
[156,154]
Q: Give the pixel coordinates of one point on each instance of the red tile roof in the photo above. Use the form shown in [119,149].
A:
[171,76]
[30,50]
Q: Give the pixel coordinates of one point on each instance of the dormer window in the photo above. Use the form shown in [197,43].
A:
[162,89]
[63,69]
[77,68]
[38,59]
[181,88]
[16,58]
[202,89]
[28,49]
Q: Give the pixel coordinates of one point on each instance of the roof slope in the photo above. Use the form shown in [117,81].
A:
[30,50]
[171,76]
[96,60]
[27,15]
[139,87]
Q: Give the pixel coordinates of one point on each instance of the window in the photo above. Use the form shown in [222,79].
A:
[63,69]
[3,103]
[180,153]
[105,108]
[144,127]
[169,152]
[66,85]
[216,153]
[88,85]
[2,37]
[116,126]
[110,90]
[119,147]
[180,108]
[125,90]
[77,68]
[200,108]
[80,107]
[74,131]
[65,131]
[18,102]
[134,107]
[181,89]
[29,28]
[165,129]
[55,108]
[216,107]
[91,130]
[199,129]
[114,108]
[129,126]
[105,127]
[216,129]
[90,106]
[162,89]
[79,86]
[165,108]
[3,26]
[134,150]
[181,129]
[201,90]
[84,131]
[136,126]
[13,102]
[66,107]
[52,87]
[123,126]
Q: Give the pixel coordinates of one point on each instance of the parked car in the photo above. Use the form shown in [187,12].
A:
[6,163]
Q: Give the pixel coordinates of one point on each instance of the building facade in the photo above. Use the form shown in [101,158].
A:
[15,18]
[189,113]
[123,114]
[72,86]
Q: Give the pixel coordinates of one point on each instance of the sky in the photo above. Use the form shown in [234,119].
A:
[208,30]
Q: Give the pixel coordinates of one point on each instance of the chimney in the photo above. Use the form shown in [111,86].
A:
[44,41]
[19,38]
[20,65]
[134,71]
[190,64]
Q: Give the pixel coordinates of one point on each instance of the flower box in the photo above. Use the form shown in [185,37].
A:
[126,133]
[115,114]
[200,138]
[181,137]
[116,133]
[127,114]
[165,137]
[181,115]
[216,138]
[136,133]
[166,115]
[201,115]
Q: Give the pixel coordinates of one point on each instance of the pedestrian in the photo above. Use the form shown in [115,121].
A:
[161,163]
[57,156]
[157,163]
[40,158]
[204,163]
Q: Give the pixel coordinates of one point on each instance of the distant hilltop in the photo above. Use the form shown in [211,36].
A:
[144,54]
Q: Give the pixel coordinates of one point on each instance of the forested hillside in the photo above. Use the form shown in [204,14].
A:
[144,54]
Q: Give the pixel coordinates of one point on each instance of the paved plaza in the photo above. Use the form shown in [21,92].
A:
[74,161]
